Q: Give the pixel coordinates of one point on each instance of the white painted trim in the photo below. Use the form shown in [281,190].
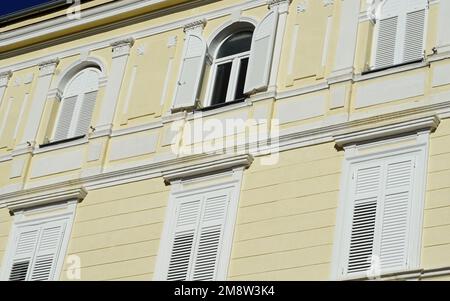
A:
[41,196]
[225,163]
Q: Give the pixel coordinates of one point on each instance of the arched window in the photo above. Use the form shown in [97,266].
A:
[229,68]
[399,32]
[77,105]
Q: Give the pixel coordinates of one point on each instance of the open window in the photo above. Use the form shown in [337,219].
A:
[229,69]
[240,60]
[77,105]
[400,28]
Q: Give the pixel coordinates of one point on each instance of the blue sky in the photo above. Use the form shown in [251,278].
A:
[10,6]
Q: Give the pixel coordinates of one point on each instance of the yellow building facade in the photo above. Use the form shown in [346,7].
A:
[226,140]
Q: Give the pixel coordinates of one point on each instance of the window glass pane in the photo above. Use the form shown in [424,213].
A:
[236,43]
[221,83]
[241,80]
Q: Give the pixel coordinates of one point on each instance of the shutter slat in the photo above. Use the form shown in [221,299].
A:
[65,118]
[85,118]
[414,36]
[386,42]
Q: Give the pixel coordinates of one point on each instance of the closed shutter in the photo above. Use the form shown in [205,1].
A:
[85,117]
[367,188]
[382,202]
[210,236]
[65,117]
[401,32]
[47,252]
[26,243]
[260,62]
[191,72]
[386,43]
[197,236]
[36,251]
[397,204]
[187,216]
[414,36]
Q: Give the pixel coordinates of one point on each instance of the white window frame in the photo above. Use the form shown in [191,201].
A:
[178,192]
[23,218]
[78,104]
[400,43]
[419,149]
[236,60]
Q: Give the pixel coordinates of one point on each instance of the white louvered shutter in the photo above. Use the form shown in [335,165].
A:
[261,54]
[414,36]
[197,236]
[191,73]
[401,32]
[365,202]
[396,213]
[386,43]
[65,117]
[382,202]
[210,235]
[187,217]
[25,246]
[51,237]
[85,117]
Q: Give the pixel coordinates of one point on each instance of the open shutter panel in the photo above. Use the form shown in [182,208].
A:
[395,218]
[365,200]
[210,235]
[188,213]
[191,72]
[414,36]
[23,254]
[260,63]
[65,117]
[87,108]
[47,251]
[386,42]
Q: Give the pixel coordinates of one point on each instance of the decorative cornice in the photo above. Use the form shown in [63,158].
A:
[195,26]
[419,124]
[41,196]
[4,78]
[219,164]
[48,67]
[122,47]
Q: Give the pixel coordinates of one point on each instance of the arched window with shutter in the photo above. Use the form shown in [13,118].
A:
[77,105]
[399,32]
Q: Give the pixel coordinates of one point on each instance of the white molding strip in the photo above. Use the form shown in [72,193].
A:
[425,123]
[41,196]
[214,166]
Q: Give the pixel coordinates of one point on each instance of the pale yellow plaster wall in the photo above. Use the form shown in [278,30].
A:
[286,217]
[117,230]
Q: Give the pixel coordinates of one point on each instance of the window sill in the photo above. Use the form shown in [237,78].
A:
[220,105]
[219,109]
[391,69]
[69,142]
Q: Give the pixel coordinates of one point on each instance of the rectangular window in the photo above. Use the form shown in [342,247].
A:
[37,248]
[382,206]
[196,243]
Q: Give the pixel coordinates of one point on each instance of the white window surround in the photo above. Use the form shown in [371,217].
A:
[413,143]
[399,15]
[189,182]
[36,219]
